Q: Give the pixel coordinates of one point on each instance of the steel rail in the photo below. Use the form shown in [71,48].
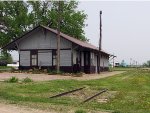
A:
[88,99]
[67,92]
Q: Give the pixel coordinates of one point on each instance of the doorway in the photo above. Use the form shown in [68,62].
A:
[33,58]
[87,62]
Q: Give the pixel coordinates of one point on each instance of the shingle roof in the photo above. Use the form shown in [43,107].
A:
[74,40]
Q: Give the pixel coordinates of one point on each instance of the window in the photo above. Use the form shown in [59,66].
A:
[33,58]
[54,57]
[92,59]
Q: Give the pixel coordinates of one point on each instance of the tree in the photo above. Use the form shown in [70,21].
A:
[39,11]
[72,21]
[18,17]
[14,20]
[6,57]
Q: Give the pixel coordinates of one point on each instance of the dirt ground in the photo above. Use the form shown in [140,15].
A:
[46,77]
[9,108]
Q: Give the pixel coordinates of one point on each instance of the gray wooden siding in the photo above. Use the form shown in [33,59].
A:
[45,58]
[104,61]
[39,40]
[24,58]
[65,57]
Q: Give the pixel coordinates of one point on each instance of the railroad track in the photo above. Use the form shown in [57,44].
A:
[95,95]
[74,90]
[67,92]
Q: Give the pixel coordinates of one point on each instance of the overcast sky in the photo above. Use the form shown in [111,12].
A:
[125,28]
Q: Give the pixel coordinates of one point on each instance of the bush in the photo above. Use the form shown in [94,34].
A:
[36,71]
[3,63]
[78,74]
[13,80]
[54,72]
[5,58]
[80,111]
[26,80]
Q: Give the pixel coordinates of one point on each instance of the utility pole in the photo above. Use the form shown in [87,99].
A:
[58,36]
[100,45]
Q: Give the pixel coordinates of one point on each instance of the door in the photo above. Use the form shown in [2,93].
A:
[33,58]
[86,62]
[86,58]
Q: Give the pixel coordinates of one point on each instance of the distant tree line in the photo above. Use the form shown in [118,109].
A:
[147,64]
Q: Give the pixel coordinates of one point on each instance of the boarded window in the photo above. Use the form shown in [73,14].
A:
[45,57]
[65,57]
[24,58]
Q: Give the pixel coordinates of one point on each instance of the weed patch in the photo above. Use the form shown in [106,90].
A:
[13,80]
[27,80]
[80,111]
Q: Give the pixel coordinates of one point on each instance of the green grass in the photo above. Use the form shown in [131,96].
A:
[12,80]
[5,68]
[131,93]
[122,68]
[80,111]
[27,80]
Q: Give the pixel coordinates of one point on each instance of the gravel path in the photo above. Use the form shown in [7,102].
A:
[9,108]
[45,77]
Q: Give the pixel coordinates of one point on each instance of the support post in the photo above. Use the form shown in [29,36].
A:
[100,45]
[58,37]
